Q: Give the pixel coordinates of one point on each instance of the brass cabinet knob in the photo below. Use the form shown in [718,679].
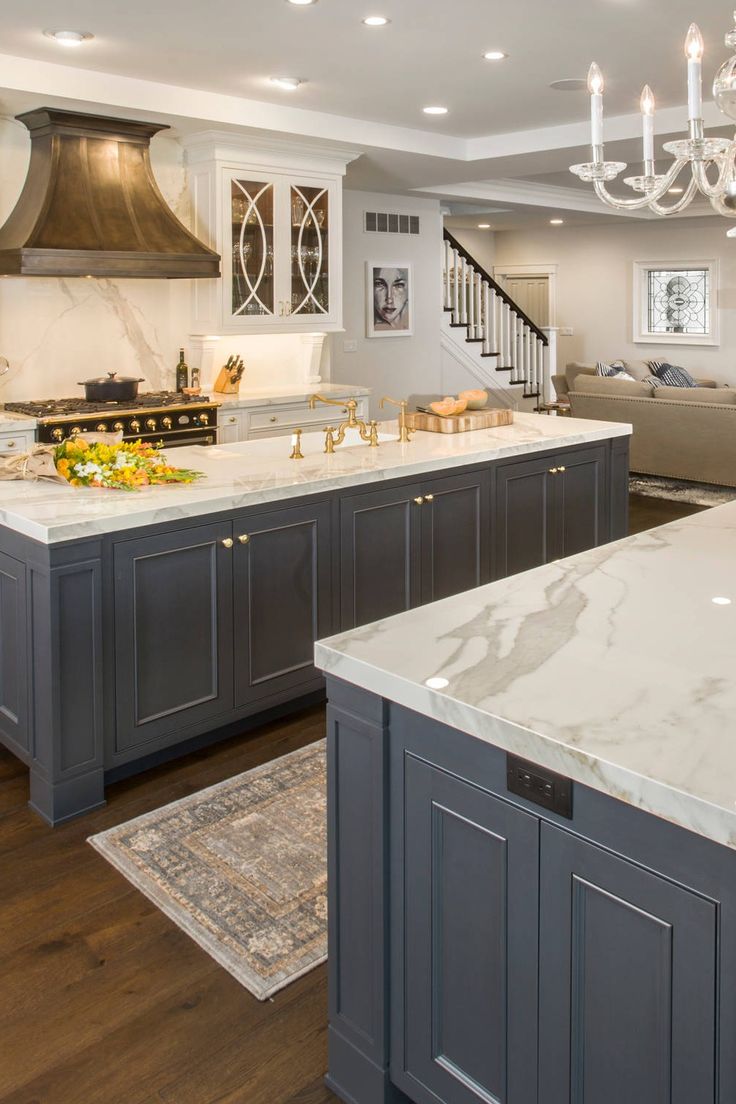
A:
[228,542]
[429,498]
[10,444]
[553,471]
[561,469]
[244,538]
[151,424]
[274,419]
[166,423]
[419,500]
[232,419]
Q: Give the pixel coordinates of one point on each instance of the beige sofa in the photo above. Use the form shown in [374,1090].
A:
[679,432]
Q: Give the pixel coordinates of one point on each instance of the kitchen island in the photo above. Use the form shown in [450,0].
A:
[136,625]
[532,834]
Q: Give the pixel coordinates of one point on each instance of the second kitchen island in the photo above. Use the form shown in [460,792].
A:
[134,624]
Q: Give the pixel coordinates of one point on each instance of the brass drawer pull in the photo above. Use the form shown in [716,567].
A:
[561,469]
[419,500]
[228,542]
[553,471]
[244,538]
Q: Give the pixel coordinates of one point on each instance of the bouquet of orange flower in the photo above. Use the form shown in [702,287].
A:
[126,466]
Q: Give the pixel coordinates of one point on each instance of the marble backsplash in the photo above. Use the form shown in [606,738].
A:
[56,332]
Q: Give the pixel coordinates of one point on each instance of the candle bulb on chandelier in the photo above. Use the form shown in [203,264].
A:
[694,54]
[595,87]
[646,105]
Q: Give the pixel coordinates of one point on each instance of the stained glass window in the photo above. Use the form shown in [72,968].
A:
[678,301]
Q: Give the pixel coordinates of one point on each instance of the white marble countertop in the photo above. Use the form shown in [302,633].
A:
[10,421]
[614,667]
[279,396]
[254,472]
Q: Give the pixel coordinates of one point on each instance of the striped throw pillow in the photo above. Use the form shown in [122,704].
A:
[671,375]
[653,381]
[615,370]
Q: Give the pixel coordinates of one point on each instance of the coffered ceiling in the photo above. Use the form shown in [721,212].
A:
[507,138]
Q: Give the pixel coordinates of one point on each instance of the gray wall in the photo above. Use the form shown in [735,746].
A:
[395,366]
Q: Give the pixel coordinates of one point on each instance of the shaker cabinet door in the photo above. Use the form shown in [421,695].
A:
[455,535]
[282,597]
[628,990]
[581,512]
[173,633]
[523,523]
[379,554]
[467,1027]
[14,659]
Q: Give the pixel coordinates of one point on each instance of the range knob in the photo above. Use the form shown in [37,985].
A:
[135,425]
[166,422]
[204,418]
[102,427]
[57,434]
[76,430]
[151,424]
[119,427]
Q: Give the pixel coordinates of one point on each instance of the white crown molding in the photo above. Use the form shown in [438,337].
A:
[530,194]
[93,90]
[272,153]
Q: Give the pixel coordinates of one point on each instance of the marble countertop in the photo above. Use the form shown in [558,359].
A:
[275,396]
[615,667]
[10,421]
[254,472]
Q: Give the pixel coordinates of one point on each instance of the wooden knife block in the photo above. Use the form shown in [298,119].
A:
[223,385]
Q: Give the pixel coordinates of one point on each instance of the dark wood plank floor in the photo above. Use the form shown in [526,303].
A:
[103,1000]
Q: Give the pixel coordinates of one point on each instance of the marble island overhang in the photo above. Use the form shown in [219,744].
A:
[614,667]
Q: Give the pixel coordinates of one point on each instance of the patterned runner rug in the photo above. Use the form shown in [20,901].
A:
[681,490]
[241,867]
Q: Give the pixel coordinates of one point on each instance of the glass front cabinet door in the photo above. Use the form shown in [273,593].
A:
[280,253]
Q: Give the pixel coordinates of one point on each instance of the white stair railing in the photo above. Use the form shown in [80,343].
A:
[491,318]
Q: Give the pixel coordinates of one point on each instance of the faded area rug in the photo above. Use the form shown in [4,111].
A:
[681,490]
[241,867]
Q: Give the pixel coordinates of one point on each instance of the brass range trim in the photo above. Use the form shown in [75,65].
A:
[51,419]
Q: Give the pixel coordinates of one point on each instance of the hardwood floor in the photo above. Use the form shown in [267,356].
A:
[647,513]
[104,1000]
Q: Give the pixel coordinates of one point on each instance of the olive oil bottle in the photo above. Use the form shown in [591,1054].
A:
[182,372]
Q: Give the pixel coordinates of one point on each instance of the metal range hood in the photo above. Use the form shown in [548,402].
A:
[90,205]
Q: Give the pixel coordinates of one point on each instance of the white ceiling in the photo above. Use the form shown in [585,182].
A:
[366,87]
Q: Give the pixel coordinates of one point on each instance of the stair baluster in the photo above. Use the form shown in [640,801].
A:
[470,292]
[447,274]
[487,318]
[455,286]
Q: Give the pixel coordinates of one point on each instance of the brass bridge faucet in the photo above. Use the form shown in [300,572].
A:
[404,432]
[334,436]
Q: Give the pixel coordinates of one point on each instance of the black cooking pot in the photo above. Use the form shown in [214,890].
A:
[110,388]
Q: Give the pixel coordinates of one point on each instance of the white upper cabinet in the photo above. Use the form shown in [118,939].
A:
[274,213]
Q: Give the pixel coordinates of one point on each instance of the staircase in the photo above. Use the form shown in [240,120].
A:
[503,348]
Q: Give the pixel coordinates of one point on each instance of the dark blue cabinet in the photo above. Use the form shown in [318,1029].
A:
[467,1028]
[628,988]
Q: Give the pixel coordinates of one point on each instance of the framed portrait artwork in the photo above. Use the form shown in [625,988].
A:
[389,300]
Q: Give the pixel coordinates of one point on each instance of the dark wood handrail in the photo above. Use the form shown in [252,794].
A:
[448,237]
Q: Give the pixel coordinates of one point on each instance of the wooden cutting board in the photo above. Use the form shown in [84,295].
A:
[460,423]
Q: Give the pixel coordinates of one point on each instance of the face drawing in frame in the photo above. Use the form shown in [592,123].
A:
[391,299]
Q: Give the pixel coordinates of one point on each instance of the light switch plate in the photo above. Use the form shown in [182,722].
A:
[566,331]
[350,346]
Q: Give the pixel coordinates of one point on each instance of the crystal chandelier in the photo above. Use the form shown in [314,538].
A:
[712,160]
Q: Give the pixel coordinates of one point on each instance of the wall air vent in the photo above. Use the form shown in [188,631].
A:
[381,222]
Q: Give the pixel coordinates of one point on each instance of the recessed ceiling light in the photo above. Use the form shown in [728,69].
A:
[495,55]
[69,38]
[484,226]
[376,21]
[570,84]
[721,601]
[556,222]
[436,683]
[302,3]
[676,191]
[434,110]
[289,83]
